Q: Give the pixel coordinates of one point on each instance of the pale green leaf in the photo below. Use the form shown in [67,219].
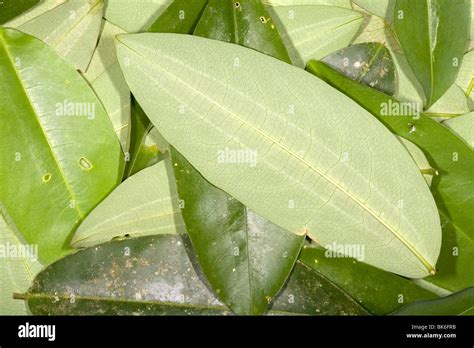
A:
[106,78]
[42,7]
[18,266]
[463,126]
[312,32]
[339,3]
[380,8]
[144,204]
[453,103]
[72,29]
[420,159]
[134,15]
[465,78]
[309,166]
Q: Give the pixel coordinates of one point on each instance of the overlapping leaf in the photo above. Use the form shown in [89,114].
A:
[72,29]
[154,276]
[302,178]
[452,188]
[426,29]
[60,156]
[312,32]
[144,204]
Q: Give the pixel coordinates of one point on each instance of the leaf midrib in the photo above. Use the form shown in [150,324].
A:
[410,247]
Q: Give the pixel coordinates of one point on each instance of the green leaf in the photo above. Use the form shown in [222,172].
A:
[378,291]
[246,23]
[312,32]
[180,17]
[18,266]
[255,256]
[453,103]
[463,126]
[153,275]
[49,163]
[72,29]
[369,63]
[34,12]
[106,78]
[339,3]
[142,205]
[301,146]
[148,145]
[378,30]
[461,303]
[420,160]
[426,29]
[465,78]
[311,293]
[451,157]
[380,8]
[12,8]
[134,15]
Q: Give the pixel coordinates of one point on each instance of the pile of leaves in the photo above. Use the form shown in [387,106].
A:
[244,157]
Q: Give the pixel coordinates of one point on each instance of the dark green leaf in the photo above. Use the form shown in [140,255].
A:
[144,150]
[245,258]
[180,17]
[433,35]
[378,291]
[60,155]
[452,188]
[246,23]
[9,9]
[368,63]
[255,255]
[153,275]
[460,303]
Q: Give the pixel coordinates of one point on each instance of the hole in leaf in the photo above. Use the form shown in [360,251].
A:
[85,163]
[46,177]
[237,5]
[263,19]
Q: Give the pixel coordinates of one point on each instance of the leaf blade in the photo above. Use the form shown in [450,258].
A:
[137,49]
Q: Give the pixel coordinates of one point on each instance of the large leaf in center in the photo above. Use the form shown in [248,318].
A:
[329,170]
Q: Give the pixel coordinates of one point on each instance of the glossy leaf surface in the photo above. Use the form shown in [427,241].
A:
[52,173]
[154,276]
[10,9]
[426,29]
